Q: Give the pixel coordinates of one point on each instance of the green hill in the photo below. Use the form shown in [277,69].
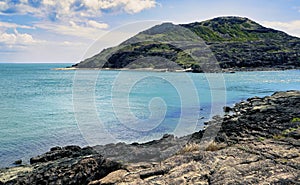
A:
[233,43]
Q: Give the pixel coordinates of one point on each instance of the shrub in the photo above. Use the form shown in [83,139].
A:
[213,146]
[190,147]
[278,137]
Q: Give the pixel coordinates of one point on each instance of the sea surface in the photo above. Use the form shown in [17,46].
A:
[41,108]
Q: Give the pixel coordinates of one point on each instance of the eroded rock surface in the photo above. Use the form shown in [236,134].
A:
[66,170]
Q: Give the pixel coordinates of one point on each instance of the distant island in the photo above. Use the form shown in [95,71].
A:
[238,44]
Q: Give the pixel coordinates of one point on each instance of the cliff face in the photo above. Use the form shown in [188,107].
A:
[258,143]
[235,42]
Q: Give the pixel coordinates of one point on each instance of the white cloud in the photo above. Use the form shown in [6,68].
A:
[73,29]
[96,24]
[135,7]
[66,9]
[70,16]
[129,6]
[17,40]
[49,52]
[26,48]
[3,6]
[63,28]
[291,27]
[6,25]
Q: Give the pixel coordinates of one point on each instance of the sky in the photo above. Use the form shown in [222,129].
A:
[63,31]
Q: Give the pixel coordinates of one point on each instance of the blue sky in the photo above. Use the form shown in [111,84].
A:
[63,30]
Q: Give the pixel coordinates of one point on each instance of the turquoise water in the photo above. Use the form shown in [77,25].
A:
[37,104]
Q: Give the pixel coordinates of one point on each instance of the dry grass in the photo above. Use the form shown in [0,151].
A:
[191,147]
[213,146]
[278,137]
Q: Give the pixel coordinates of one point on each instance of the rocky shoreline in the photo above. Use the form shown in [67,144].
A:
[257,142]
[228,70]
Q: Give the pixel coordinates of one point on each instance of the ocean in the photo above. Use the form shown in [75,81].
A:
[41,108]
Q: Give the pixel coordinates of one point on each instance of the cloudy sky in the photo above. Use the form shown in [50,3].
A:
[63,30]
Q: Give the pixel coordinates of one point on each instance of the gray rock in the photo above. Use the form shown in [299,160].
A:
[18,162]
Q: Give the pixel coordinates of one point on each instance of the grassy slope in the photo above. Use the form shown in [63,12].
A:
[235,42]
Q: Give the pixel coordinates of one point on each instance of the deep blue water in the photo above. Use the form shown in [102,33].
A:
[41,108]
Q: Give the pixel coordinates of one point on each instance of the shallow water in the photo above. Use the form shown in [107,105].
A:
[37,104]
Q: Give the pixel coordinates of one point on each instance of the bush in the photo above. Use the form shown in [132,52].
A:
[213,146]
[191,147]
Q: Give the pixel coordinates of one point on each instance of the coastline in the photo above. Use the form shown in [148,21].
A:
[120,69]
[259,132]
[228,70]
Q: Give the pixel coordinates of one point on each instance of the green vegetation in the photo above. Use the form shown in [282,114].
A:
[235,42]
[261,138]
[296,120]
[285,133]
[226,29]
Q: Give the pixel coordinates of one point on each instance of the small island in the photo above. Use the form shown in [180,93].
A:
[230,43]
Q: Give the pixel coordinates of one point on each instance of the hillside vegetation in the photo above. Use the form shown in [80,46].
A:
[230,42]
